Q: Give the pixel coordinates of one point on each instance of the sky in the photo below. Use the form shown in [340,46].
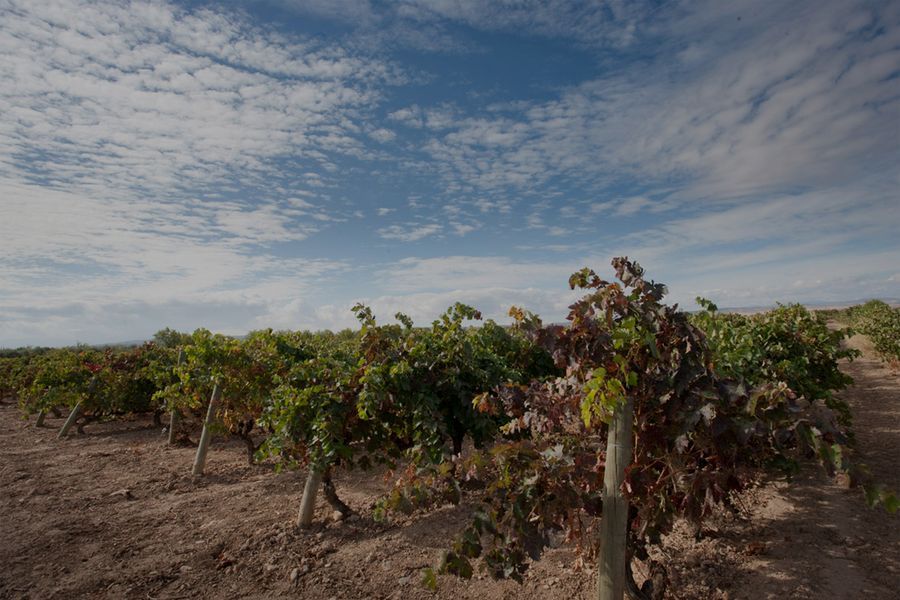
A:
[243,165]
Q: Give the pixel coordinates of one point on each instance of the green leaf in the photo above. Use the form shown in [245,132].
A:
[631,379]
[429,579]
[457,565]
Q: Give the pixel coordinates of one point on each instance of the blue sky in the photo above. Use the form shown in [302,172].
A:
[242,165]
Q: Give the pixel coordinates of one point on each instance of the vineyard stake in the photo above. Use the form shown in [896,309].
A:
[78,410]
[203,447]
[308,502]
[614,524]
[40,419]
[174,416]
[73,416]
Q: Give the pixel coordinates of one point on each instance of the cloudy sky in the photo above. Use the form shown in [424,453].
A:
[240,165]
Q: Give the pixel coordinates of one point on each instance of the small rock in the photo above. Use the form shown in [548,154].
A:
[337,516]
[124,492]
[756,548]
[403,580]
[295,573]
[843,481]
[557,538]
[185,568]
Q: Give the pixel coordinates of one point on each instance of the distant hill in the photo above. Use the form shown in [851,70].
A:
[125,344]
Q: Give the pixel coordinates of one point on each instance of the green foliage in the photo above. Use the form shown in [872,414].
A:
[125,381]
[16,374]
[58,377]
[312,415]
[107,382]
[169,338]
[881,324]
[710,412]
[428,378]
[718,398]
[788,344]
[246,371]
[394,389]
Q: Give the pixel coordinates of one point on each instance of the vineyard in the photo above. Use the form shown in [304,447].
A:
[506,438]
[879,322]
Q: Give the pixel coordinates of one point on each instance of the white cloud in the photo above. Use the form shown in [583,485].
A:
[359,12]
[632,205]
[475,272]
[139,166]
[382,135]
[423,307]
[462,229]
[141,250]
[150,96]
[409,232]
[410,116]
[156,160]
[593,22]
[803,96]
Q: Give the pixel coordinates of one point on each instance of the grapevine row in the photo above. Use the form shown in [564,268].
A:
[713,401]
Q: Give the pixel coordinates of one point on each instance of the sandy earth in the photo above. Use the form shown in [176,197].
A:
[114,513]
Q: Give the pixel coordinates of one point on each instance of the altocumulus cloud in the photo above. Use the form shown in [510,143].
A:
[127,130]
[166,165]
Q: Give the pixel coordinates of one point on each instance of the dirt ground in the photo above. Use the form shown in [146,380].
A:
[114,513]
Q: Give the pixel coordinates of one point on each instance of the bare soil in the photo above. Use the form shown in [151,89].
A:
[114,513]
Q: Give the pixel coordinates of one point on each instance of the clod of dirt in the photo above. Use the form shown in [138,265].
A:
[756,548]
[124,492]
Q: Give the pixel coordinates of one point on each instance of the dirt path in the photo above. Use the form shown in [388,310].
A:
[115,514]
[825,542]
[812,539]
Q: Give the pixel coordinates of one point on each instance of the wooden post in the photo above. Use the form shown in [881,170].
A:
[40,420]
[308,502]
[73,416]
[203,447]
[175,417]
[78,410]
[614,524]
